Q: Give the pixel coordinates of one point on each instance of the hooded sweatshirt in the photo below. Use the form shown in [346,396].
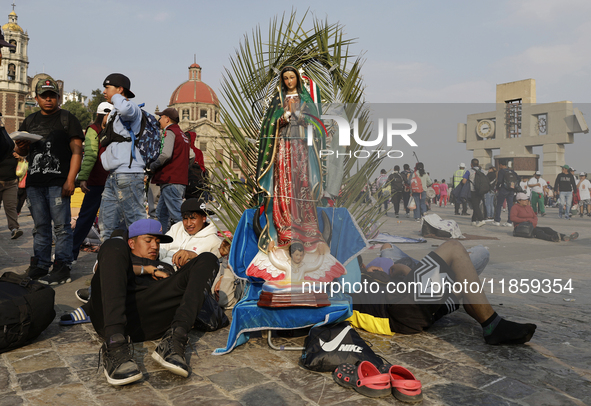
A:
[205,240]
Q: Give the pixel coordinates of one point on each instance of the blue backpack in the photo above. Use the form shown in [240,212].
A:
[148,140]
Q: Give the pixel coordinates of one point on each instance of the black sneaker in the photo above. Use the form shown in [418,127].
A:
[58,275]
[33,271]
[83,295]
[170,353]
[17,232]
[118,363]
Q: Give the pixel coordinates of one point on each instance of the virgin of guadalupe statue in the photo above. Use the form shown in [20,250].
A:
[289,177]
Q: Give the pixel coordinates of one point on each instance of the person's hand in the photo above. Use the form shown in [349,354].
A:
[374,269]
[182,257]
[84,186]
[68,188]
[157,274]
[216,290]
[287,115]
[22,147]
[224,248]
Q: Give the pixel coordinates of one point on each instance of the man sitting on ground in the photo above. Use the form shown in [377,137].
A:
[411,311]
[145,302]
[192,236]
[522,212]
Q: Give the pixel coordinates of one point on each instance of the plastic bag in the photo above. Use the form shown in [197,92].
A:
[211,317]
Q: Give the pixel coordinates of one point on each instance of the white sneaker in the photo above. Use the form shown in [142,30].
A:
[496,223]
[480,223]
[508,224]
[473,223]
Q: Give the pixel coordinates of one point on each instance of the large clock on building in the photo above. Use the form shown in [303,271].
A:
[485,128]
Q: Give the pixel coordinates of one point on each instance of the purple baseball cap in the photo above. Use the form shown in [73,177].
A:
[150,227]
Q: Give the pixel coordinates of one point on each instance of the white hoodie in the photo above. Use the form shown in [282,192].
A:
[205,240]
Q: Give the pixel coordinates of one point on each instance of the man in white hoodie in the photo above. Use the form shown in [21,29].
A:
[192,236]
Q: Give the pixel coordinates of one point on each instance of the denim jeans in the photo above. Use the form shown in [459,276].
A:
[169,205]
[565,198]
[47,205]
[123,200]
[479,256]
[489,199]
[420,200]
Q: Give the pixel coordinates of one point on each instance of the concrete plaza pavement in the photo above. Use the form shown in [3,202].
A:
[453,362]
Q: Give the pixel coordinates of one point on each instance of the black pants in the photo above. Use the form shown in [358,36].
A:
[140,306]
[476,198]
[464,204]
[547,234]
[396,198]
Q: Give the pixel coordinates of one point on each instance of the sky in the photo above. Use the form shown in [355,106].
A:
[415,52]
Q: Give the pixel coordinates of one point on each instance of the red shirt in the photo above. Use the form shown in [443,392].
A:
[520,214]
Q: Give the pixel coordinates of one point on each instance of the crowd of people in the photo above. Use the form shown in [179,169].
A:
[571,194]
[150,280]
[152,276]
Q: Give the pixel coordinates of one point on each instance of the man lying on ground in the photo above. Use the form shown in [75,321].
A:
[145,302]
[522,212]
[413,311]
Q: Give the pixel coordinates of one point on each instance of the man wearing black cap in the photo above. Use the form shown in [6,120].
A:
[136,297]
[564,186]
[123,196]
[171,169]
[192,236]
[54,162]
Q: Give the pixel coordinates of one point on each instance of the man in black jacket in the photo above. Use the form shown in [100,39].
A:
[564,186]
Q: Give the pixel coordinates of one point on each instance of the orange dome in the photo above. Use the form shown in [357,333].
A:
[194,90]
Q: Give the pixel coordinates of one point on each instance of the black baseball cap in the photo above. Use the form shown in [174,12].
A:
[119,80]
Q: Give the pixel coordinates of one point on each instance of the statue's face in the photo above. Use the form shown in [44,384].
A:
[290,79]
[297,257]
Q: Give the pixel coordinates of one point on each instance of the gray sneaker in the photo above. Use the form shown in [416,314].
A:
[17,232]
[170,353]
[117,360]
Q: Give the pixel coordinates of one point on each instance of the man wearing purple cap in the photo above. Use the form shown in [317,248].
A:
[522,212]
[123,197]
[136,297]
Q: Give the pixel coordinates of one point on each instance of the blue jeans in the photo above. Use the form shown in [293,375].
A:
[565,198]
[47,205]
[169,205]
[90,206]
[123,199]
[503,195]
[489,199]
[420,200]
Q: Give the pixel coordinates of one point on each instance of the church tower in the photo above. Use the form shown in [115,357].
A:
[14,85]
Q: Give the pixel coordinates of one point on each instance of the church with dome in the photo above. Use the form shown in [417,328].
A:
[14,86]
[199,112]
[17,88]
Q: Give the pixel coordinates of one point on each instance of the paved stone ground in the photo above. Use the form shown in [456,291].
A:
[454,364]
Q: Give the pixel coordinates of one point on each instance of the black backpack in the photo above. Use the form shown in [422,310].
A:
[26,309]
[481,183]
[396,182]
[511,181]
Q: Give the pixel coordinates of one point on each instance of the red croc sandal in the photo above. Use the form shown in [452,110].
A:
[364,378]
[405,387]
